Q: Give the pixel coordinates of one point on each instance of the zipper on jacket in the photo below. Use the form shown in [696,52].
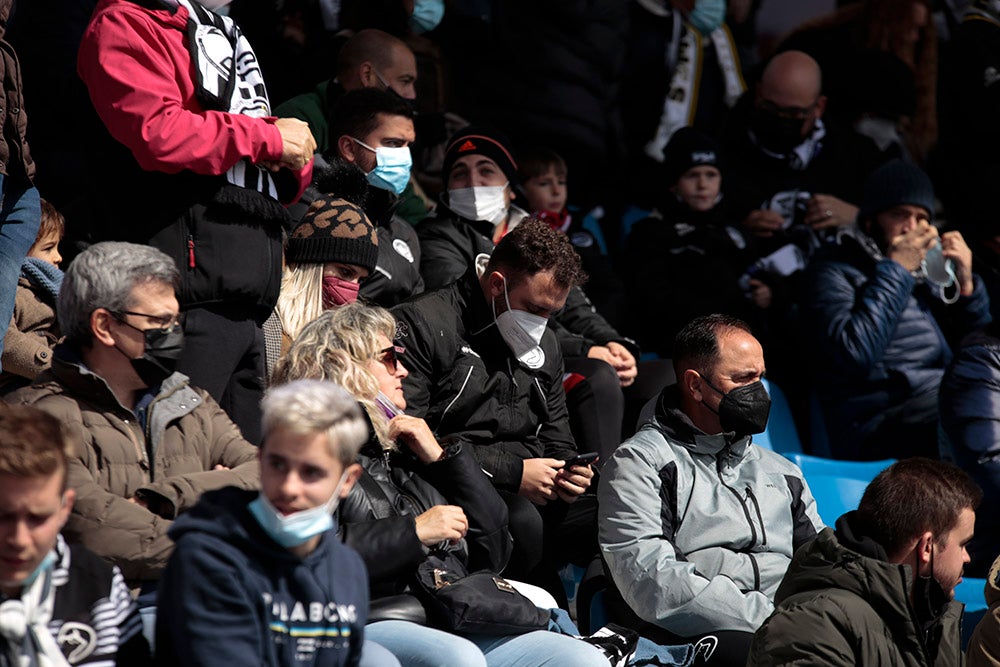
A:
[756,572]
[190,249]
[756,506]
[742,503]
[461,390]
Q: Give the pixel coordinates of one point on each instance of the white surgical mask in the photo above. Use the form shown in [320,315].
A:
[522,332]
[291,530]
[480,203]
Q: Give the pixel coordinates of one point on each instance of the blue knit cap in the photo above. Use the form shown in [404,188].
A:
[896,183]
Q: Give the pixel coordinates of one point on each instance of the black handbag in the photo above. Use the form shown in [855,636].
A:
[477,603]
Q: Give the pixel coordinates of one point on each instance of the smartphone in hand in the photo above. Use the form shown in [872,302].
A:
[582,460]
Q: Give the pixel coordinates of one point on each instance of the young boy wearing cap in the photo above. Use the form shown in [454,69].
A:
[684,260]
[880,330]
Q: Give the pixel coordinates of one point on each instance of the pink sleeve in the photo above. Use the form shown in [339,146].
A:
[140,78]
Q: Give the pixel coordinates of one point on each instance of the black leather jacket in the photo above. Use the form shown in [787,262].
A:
[377,519]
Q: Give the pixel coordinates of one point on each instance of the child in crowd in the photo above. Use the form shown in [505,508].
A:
[33,330]
[684,261]
[260,578]
[544,183]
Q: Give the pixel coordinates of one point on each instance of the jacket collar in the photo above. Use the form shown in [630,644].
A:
[677,426]
[70,371]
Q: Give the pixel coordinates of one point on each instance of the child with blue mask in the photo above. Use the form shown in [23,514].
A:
[236,548]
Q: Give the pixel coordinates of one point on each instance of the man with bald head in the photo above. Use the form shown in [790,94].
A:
[369,59]
[696,524]
[792,175]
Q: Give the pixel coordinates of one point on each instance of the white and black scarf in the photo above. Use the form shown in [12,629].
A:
[229,79]
[685,54]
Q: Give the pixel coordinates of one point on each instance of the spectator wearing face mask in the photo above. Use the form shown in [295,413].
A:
[369,164]
[327,256]
[478,210]
[884,309]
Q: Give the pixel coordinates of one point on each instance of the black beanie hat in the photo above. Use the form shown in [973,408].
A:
[479,140]
[333,230]
[689,148]
[896,183]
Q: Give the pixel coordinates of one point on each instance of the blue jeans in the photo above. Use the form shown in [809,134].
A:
[421,646]
[20,217]
[373,655]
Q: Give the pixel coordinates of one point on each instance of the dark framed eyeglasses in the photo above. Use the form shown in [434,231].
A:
[165,323]
[390,357]
[791,113]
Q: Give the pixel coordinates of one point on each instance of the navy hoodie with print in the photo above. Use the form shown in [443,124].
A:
[231,595]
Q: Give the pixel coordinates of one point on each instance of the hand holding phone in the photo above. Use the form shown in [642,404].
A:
[582,460]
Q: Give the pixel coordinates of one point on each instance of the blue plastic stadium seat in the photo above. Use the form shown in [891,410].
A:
[781,435]
[836,485]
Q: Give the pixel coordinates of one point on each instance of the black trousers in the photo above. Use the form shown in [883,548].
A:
[549,536]
[224,355]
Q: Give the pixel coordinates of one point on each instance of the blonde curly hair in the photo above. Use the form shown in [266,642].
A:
[337,346]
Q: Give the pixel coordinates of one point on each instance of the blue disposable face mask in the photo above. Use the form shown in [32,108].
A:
[47,563]
[427,14]
[940,271]
[392,167]
[707,15]
[292,530]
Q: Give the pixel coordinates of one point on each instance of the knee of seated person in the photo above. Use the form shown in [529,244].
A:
[601,379]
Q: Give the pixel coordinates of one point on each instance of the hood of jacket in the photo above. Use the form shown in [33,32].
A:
[677,426]
[848,559]
[223,513]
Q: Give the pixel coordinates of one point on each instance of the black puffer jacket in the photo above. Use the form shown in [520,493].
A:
[842,603]
[377,519]
[465,382]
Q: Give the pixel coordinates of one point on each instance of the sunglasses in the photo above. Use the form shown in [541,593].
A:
[390,357]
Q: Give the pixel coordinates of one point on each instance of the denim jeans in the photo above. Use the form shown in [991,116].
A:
[20,217]
[421,646]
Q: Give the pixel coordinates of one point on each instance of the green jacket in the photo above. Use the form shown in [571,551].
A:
[313,108]
[839,607]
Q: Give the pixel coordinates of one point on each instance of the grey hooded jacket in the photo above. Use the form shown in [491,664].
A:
[697,530]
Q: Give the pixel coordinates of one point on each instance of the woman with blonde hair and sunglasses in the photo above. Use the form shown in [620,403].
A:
[417,498]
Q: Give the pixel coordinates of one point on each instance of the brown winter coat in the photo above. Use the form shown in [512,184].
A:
[15,159]
[984,645]
[33,332]
[168,466]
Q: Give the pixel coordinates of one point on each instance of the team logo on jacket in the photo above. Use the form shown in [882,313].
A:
[705,647]
[77,641]
[403,248]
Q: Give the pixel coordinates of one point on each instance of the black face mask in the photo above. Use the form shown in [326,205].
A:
[775,133]
[743,410]
[159,359]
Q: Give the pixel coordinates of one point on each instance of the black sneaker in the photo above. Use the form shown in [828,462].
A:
[616,642]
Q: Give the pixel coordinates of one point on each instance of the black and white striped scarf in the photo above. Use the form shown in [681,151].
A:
[229,79]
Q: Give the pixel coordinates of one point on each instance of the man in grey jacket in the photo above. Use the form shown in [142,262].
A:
[697,526]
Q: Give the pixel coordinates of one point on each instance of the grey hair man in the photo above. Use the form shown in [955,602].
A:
[148,442]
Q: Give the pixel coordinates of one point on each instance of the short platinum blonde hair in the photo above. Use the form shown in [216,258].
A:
[337,346]
[103,276]
[306,407]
